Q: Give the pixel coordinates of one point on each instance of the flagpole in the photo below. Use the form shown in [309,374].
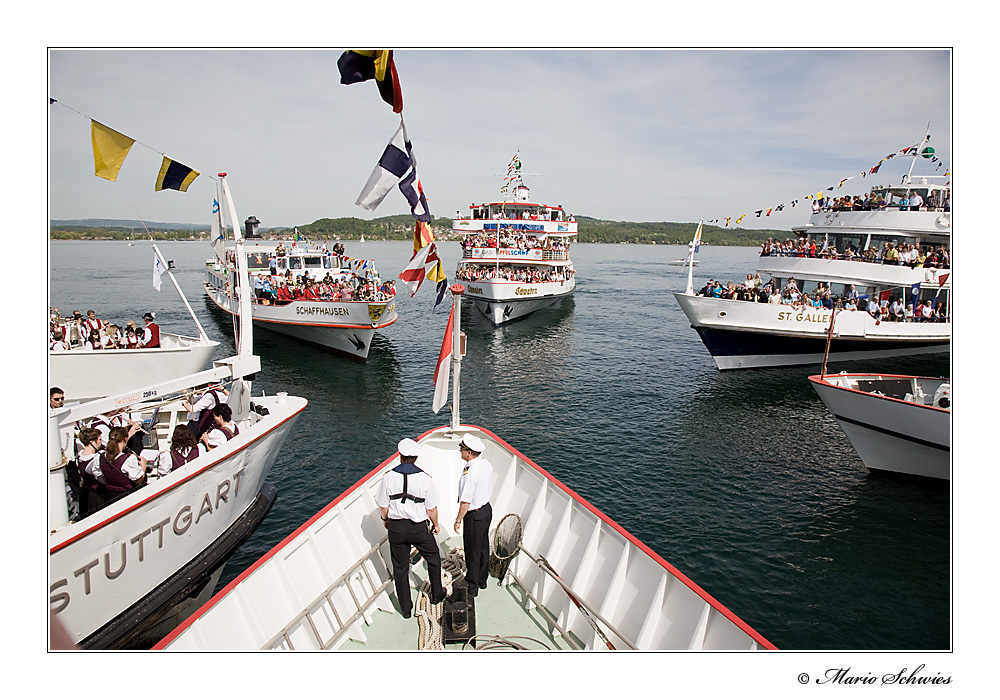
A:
[244,344]
[457,290]
[159,256]
[691,246]
[829,339]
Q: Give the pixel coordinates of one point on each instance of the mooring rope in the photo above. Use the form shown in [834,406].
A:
[430,633]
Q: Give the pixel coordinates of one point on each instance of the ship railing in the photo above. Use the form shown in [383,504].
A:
[546,254]
[363,587]
[589,613]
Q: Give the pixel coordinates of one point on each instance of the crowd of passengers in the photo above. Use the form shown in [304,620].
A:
[93,333]
[913,201]
[517,240]
[531,275]
[110,458]
[891,253]
[883,307]
[345,286]
[524,215]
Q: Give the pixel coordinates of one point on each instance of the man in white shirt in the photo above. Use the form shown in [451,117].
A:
[408,503]
[475,488]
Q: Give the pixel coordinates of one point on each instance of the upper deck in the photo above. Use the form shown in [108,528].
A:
[888,210]
[518,214]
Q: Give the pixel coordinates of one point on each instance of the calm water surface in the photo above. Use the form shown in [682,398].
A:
[741,480]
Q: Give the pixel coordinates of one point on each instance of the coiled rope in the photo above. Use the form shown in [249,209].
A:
[430,633]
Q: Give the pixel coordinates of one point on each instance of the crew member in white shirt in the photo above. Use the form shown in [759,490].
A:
[475,488]
[408,502]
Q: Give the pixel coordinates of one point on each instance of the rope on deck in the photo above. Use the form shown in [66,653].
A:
[431,634]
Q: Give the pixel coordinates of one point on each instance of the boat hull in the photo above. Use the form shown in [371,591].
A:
[742,335]
[107,564]
[344,326]
[503,302]
[89,374]
[326,583]
[889,434]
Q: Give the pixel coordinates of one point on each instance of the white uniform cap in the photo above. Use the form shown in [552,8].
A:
[408,448]
[473,443]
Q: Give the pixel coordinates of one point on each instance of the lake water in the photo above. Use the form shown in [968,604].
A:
[741,480]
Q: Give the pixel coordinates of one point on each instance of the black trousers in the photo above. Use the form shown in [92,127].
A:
[476,539]
[403,534]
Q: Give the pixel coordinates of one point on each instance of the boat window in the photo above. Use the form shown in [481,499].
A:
[295,263]
[256,259]
[842,242]
[328,262]
[312,261]
[282,263]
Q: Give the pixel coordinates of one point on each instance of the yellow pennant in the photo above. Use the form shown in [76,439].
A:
[110,149]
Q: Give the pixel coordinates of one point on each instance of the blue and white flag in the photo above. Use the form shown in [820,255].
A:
[397,165]
[390,168]
[697,237]
[410,185]
[218,236]
[157,271]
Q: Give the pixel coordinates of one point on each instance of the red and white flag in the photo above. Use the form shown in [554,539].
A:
[425,263]
[442,373]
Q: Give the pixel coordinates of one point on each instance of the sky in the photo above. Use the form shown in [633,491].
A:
[626,135]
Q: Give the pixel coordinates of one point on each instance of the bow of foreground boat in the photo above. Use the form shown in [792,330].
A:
[577,581]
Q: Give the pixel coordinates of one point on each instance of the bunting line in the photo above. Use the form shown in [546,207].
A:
[111,147]
[927,153]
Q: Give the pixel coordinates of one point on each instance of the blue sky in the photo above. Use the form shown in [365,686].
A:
[638,135]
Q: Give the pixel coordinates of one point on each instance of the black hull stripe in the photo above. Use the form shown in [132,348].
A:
[893,433]
[730,343]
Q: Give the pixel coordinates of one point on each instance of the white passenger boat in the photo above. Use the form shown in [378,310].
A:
[742,334]
[346,326]
[896,423]
[572,578]
[515,255]
[88,374]
[124,575]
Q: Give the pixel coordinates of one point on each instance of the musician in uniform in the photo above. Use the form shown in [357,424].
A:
[475,488]
[408,503]
[151,335]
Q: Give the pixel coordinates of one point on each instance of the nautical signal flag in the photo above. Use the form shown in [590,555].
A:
[396,165]
[175,176]
[425,263]
[357,66]
[422,235]
[110,149]
[442,372]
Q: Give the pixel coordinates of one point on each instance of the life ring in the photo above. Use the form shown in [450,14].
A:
[943,222]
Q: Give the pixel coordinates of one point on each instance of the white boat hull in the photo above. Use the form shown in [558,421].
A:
[891,434]
[323,586]
[744,334]
[103,568]
[345,326]
[502,302]
[89,374]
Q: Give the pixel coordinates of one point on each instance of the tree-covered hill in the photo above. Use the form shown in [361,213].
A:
[400,227]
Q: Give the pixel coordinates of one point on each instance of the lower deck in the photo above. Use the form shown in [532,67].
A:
[502,610]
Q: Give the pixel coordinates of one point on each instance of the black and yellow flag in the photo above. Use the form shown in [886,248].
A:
[175,176]
[357,66]
[110,149]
